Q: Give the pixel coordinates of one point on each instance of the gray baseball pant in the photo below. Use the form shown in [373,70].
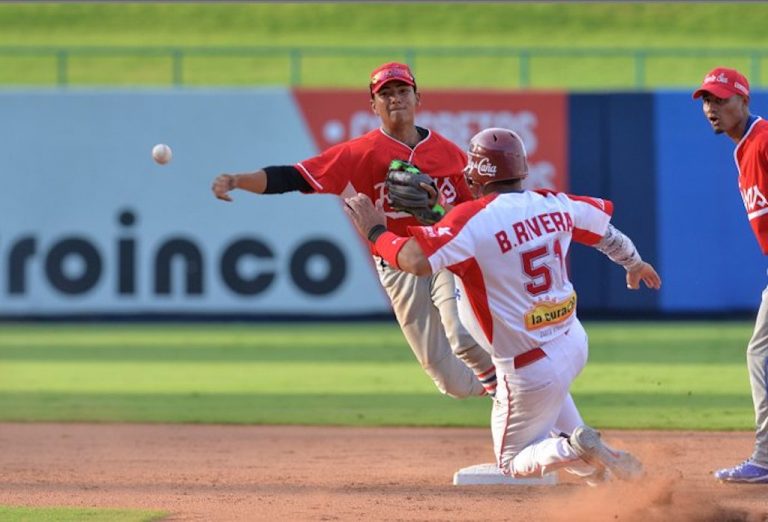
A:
[426,309]
[757,364]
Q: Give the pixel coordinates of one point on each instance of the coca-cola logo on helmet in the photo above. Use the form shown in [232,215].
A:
[483,166]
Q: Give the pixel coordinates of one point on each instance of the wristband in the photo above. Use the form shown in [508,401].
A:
[388,245]
[375,232]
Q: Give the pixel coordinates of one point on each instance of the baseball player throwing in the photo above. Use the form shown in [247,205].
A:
[725,100]
[425,306]
[508,249]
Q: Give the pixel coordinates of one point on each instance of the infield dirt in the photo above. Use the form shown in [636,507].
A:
[211,473]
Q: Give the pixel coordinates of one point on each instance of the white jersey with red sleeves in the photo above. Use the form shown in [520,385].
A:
[508,251]
[360,166]
[751,157]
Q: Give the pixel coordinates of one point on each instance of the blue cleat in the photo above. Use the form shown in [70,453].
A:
[746,472]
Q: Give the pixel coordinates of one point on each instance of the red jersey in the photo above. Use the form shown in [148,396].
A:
[751,155]
[361,164]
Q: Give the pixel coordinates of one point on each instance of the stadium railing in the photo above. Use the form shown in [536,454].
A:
[517,67]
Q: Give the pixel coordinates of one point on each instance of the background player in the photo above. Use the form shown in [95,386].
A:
[508,249]
[725,100]
[425,307]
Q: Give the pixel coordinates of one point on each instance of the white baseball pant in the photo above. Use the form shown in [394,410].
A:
[534,406]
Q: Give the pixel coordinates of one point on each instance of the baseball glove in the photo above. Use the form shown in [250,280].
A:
[404,186]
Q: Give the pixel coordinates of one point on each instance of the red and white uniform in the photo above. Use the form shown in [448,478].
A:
[508,251]
[425,307]
[751,155]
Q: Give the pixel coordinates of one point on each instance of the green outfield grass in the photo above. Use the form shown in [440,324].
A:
[640,375]
[24,514]
[352,26]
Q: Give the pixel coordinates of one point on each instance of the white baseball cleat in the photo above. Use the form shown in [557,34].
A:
[590,447]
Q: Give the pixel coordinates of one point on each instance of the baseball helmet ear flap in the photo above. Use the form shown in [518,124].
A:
[495,154]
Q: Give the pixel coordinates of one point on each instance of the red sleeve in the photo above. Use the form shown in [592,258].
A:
[590,218]
[329,171]
[432,238]
[605,205]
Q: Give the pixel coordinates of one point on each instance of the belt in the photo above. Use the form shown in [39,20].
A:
[529,357]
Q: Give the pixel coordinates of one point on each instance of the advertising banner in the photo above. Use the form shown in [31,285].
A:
[539,118]
[90,225]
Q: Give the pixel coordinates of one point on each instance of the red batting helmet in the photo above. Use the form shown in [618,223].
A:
[495,155]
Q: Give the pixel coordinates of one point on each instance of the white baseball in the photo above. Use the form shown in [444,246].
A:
[162,153]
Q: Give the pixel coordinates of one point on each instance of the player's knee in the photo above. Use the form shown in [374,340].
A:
[455,392]
[463,345]
[460,390]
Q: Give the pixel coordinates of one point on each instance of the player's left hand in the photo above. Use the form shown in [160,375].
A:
[363,213]
[645,273]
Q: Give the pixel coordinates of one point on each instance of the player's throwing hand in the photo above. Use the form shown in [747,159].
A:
[222,185]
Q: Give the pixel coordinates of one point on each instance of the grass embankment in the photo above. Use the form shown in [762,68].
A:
[694,26]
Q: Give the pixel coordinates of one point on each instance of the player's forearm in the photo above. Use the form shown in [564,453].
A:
[619,249]
[412,259]
[399,252]
[255,182]
[269,180]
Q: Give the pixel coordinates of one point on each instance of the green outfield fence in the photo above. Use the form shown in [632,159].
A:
[510,67]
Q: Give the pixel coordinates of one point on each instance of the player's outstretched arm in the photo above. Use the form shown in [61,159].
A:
[620,249]
[400,252]
[223,184]
[643,272]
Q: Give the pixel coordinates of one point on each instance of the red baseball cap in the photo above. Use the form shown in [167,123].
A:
[723,83]
[389,72]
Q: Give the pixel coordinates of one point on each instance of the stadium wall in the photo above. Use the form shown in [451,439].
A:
[92,228]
